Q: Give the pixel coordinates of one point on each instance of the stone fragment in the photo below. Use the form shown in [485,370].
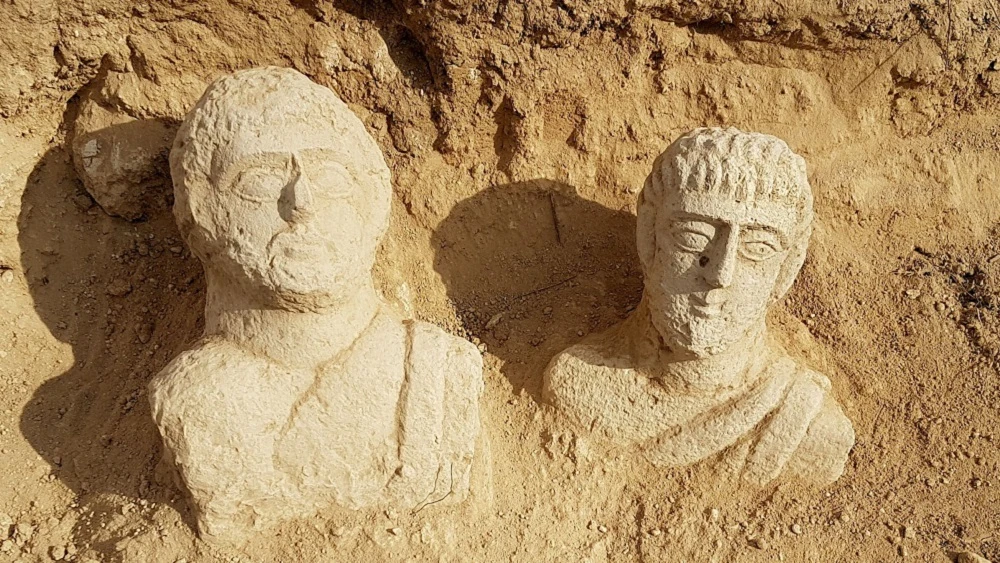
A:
[969,557]
[6,526]
[723,224]
[120,158]
[119,287]
[24,531]
[307,390]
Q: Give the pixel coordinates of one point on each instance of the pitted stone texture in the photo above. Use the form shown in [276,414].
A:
[306,390]
[121,161]
[723,224]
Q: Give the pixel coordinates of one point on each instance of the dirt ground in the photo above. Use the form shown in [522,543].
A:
[518,135]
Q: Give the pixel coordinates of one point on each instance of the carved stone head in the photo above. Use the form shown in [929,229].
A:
[723,223]
[279,189]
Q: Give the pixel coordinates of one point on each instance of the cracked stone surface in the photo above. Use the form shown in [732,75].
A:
[723,224]
[306,390]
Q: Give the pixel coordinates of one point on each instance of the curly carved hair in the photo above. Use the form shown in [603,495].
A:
[744,167]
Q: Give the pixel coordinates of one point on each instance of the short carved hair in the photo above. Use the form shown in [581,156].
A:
[250,102]
[736,165]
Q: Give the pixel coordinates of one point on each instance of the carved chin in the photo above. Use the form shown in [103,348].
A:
[701,338]
[715,335]
[309,286]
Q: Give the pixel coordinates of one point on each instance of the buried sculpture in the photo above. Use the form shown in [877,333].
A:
[723,224]
[305,390]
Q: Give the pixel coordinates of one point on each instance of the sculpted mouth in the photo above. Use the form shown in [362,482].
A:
[703,305]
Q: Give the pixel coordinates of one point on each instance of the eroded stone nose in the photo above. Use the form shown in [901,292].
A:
[719,265]
[297,203]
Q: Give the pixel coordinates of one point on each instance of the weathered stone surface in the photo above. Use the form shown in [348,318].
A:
[723,224]
[120,150]
[306,389]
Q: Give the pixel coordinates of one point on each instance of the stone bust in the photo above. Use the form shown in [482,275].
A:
[723,223]
[305,390]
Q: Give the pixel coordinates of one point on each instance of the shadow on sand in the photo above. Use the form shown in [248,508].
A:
[532,267]
[127,297]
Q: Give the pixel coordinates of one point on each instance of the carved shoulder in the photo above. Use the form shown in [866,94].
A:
[577,385]
[209,368]
[440,417]
[455,357]
[823,451]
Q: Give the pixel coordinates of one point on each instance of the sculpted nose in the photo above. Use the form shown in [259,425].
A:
[719,265]
[297,202]
[302,197]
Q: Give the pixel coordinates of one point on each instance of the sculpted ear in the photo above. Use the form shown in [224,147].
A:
[645,226]
[793,263]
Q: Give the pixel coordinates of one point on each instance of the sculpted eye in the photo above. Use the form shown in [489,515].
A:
[330,179]
[691,241]
[760,246]
[261,184]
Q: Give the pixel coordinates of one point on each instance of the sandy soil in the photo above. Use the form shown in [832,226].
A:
[518,134]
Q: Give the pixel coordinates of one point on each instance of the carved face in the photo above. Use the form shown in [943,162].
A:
[715,268]
[292,217]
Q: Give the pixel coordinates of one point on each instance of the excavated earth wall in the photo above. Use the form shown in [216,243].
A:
[518,135]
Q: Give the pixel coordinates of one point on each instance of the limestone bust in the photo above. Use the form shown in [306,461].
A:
[305,390]
[723,223]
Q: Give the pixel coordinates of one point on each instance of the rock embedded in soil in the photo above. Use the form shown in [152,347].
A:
[371,409]
[969,557]
[795,427]
[121,160]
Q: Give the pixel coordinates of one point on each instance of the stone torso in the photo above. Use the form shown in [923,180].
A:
[784,423]
[371,425]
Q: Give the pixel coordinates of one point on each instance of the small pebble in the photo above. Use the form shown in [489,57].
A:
[6,525]
[57,553]
[759,543]
[396,531]
[969,557]
[24,530]
[602,529]
[796,529]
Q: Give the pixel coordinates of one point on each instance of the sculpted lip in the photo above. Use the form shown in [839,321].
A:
[703,305]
